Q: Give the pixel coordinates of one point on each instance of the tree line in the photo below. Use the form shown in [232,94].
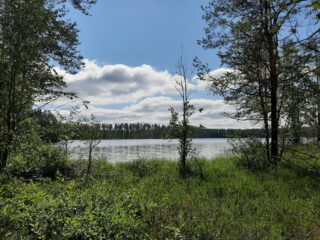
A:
[53,130]
[157,131]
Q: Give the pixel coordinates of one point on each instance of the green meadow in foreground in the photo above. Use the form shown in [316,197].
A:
[148,200]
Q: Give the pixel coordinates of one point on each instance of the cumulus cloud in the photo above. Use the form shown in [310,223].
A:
[145,94]
[155,110]
[110,84]
[202,85]
[220,72]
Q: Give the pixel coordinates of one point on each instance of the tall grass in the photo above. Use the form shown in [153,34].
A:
[149,200]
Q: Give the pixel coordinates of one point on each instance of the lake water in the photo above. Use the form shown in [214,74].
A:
[133,149]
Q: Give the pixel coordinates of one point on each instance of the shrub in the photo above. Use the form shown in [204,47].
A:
[143,168]
[32,158]
[197,167]
[44,161]
[251,154]
[53,160]
[304,158]
[29,211]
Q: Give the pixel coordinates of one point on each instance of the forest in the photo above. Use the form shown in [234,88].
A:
[52,130]
[266,188]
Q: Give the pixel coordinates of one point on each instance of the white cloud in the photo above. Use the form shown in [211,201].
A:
[217,73]
[113,84]
[202,85]
[155,110]
[145,95]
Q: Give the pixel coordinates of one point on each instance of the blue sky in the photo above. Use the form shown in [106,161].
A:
[131,49]
[143,32]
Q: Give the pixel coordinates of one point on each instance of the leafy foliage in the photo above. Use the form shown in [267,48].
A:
[251,154]
[143,168]
[230,203]
[181,128]
[35,37]
[272,70]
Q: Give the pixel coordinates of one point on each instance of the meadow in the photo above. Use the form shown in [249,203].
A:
[148,199]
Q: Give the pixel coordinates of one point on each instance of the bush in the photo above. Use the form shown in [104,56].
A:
[143,168]
[53,160]
[32,158]
[197,167]
[30,211]
[230,204]
[194,168]
[304,158]
[251,154]
[44,161]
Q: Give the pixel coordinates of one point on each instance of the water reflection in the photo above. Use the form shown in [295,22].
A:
[128,150]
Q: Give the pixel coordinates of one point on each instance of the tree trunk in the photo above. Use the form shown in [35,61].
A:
[6,148]
[295,128]
[184,137]
[4,158]
[318,134]
[262,92]
[274,115]
[89,163]
[271,40]
[318,101]
[266,131]
[11,111]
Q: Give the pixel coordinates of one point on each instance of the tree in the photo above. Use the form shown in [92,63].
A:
[68,128]
[48,126]
[315,85]
[245,84]
[34,36]
[296,91]
[92,136]
[181,129]
[250,37]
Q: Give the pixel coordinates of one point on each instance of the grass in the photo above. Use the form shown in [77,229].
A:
[148,200]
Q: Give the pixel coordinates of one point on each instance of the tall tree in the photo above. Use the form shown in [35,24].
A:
[252,34]
[34,36]
[181,128]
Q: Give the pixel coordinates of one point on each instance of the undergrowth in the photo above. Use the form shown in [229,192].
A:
[149,200]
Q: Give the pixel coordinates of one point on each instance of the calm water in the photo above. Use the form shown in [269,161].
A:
[132,149]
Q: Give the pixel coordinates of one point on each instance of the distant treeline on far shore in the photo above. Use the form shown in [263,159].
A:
[157,131]
[51,127]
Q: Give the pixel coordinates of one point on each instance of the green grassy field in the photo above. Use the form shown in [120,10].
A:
[148,200]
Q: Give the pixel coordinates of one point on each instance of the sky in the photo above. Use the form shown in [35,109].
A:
[131,50]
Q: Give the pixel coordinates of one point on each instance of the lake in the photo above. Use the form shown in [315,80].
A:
[133,149]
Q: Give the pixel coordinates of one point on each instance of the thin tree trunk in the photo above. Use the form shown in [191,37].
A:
[272,49]
[318,134]
[4,158]
[266,128]
[262,93]
[11,112]
[318,100]
[6,146]
[89,163]
[296,133]
[274,115]
[184,138]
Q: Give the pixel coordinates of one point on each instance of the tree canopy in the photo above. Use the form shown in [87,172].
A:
[35,36]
